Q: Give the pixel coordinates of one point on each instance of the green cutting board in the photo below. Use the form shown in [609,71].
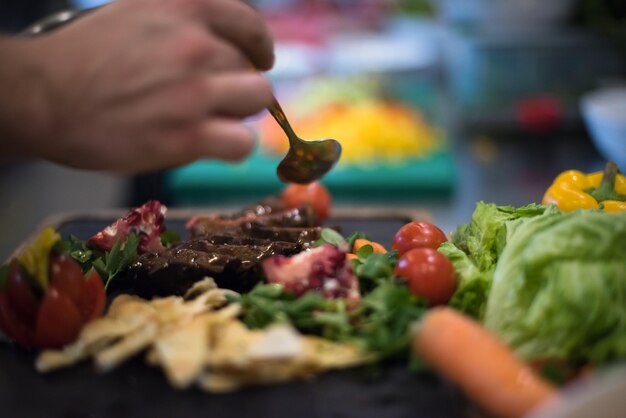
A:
[211,182]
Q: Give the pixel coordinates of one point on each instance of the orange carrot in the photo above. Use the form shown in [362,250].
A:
[486,369]
[351,256]
[361,242]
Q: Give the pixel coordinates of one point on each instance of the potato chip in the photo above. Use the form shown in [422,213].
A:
[128,346]
[182,351]
[200,287]
[124,317]
[49,360]
[199,340]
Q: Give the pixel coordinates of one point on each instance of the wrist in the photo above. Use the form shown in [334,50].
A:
[25,110]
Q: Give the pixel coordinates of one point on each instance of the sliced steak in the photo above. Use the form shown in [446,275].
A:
[233,262]
[228,248]
[202,226]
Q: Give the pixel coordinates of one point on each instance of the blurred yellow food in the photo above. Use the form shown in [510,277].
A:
[371,131]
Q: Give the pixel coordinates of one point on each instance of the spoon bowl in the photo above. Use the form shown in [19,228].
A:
[306,161]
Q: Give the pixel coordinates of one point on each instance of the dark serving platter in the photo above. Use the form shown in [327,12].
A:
[136,389]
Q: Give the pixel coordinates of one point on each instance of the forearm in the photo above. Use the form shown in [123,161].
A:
[23,110]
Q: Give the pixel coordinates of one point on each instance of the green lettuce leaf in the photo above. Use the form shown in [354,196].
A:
[559,288]
[485,236]
[473,284]
[475,248]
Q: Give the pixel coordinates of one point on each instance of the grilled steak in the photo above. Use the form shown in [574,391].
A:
[201,226]
[228,248]
[234,263]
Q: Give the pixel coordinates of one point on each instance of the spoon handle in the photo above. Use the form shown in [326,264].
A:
[277,112]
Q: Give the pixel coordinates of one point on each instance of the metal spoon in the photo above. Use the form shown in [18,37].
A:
[306,161]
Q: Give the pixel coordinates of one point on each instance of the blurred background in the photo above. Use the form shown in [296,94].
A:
[437,103]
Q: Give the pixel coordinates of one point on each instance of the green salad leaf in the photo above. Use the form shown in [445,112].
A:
[559,288]
[169,237]
[475,248]
[380,324]
[384,319]
[474,284]
[121,256]
[485,236]
[329,236]
[78,249]
[311,313]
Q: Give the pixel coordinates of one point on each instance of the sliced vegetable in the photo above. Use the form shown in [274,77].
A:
[91,304]
[418,235]
[58,322]
[12,324]
[52,316]
[481,365]
[313,194]
[430,274]
[35,257]
[66,276]
[324,269]
[147,222]
[21,295]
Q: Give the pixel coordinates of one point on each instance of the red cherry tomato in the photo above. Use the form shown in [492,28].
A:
[418,235]
[70,301]
[21,295]
[66,276]
[59,320]
[93,300]
[314,194]
[12,325]
[430,274]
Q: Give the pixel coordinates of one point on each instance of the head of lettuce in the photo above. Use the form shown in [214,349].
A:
[559,288]
[557,284]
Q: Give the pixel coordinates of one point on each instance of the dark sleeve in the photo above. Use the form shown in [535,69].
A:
[15,15]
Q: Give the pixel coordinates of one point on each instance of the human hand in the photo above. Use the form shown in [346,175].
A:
[140,85]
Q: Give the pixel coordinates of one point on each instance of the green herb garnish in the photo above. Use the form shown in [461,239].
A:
[121,256]
[330,236]
[169,237]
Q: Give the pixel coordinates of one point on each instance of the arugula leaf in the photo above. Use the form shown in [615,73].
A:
[380,324]
[373,267]
[387,314]
[268,303]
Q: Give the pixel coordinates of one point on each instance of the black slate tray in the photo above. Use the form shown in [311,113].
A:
[138,390]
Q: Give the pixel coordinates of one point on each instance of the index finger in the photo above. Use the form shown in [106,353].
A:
[238,23]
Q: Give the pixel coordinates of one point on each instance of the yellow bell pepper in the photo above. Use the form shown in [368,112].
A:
[573,190]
